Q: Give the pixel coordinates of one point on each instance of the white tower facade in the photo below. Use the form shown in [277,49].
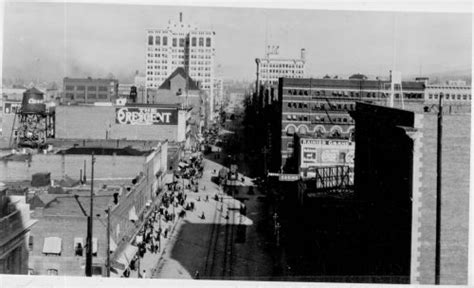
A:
[181,45]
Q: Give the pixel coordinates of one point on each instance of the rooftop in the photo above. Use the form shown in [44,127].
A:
[192,85]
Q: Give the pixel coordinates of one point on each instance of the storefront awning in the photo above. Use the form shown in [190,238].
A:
[123,260]
[132,214]
[52,245]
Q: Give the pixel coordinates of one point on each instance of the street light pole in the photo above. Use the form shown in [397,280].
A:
[438,190]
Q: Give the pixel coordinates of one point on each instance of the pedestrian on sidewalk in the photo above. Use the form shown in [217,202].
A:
[196,275]
[144,274]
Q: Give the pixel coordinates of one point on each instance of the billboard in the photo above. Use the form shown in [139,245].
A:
[146,116]
[321,152]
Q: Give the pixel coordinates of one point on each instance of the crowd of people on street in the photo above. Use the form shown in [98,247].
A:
[160,220]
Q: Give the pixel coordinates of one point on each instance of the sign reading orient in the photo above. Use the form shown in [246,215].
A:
[145,116]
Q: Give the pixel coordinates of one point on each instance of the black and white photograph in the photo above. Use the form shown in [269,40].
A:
[215,145]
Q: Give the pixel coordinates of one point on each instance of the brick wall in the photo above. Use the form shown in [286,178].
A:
[455,201]
[95,122]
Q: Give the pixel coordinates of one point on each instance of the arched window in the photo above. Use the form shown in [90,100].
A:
[336,132]
[290,130]
[150,40]
[302,130]
[157,40]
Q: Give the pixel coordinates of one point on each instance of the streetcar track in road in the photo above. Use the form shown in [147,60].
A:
[212,247]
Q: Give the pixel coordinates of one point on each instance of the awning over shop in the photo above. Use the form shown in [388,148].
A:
[132,214]
[123,260]
[52,245]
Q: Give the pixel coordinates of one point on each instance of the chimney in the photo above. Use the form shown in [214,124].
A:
[180,16]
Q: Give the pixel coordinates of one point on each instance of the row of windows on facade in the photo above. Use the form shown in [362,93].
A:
[88,88]
[321,106]
[271,65]
[320,131]
[450,87]
[181,50]
[280,70]
[281,74]
[73,96]
[305,92]
[449,96]
[195,41]
[319,119]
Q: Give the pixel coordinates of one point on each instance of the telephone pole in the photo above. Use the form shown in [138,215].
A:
[108,241]
[89,224]
[438,190]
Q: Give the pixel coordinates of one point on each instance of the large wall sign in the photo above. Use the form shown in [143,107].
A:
[146,116]
[320,152]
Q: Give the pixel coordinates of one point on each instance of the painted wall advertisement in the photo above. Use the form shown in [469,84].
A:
[320,152]
[146,116]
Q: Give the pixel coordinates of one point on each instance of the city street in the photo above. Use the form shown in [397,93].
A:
[216,247]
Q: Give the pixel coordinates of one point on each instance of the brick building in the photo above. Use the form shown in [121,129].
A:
[89,90]
[62,224]
[395,170]
[15,226]
[132,121]
[320,107]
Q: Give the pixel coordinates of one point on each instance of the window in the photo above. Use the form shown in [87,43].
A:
[175,42]
[102,88]
[150,40]
[290,130]
[70,96]
[165,41]
[53,272]
[157,40]
[81,88]
[181,42]
[91,95]
[208,42]
[201,42]
[193,42]
[464,97]
[68,87]
[91,88]
[289,105]
[459,96]
[103,96]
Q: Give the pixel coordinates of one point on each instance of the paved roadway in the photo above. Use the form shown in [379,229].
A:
[220,247]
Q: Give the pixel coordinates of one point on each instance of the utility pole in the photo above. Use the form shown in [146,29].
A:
[438,190]
[89,225]
[108,241]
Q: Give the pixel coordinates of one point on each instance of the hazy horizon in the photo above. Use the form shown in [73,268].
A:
[50,41]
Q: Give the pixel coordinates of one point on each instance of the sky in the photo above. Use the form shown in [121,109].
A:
[49,41]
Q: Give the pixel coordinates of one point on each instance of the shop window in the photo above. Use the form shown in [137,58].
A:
[150,40]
